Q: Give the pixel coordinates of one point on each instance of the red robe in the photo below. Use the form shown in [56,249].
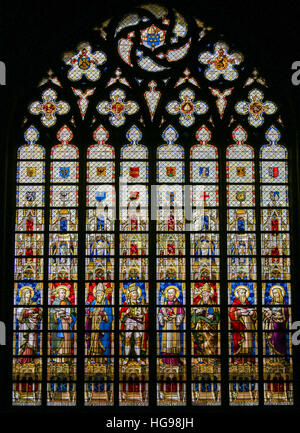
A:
[236,325]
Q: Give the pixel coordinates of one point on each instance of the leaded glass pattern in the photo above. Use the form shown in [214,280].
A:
[99,272]
[276,295]
[28,273]
[62,274]
[134,272]
[242,273]
[171,272]
[205,272]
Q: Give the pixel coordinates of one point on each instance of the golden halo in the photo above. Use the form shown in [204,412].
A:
[62,286]
[131,287]
[236,290]
[280,288]
[26,288]
[171,287]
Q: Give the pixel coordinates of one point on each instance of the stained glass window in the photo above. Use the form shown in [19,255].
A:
[276,276]
[152,258]
[99,271]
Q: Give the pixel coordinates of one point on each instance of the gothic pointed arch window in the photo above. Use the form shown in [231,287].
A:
[152,239]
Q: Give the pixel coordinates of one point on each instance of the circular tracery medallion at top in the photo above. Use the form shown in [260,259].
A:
[154,39]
